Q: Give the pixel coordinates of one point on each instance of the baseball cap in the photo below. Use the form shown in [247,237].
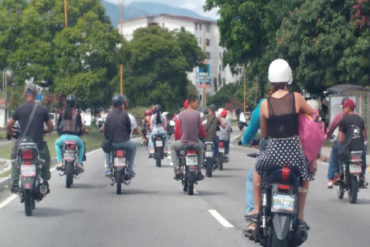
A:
[343,100]
[212,107]
[31,89]
[349,103]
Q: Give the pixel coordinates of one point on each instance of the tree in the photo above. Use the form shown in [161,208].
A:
[325,45]
[156,66]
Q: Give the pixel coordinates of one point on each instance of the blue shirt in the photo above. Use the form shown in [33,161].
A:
[253,126]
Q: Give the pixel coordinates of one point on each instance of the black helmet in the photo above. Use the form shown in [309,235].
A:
[212,107]
[157,108]
[71,100]
[118,100]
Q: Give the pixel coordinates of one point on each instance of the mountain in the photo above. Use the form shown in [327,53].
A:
[139,9]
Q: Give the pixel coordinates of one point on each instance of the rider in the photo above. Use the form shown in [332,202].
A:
[212,124]
[187,132]
[158,127]
[353,126]
[145,123]
[36,132]
[224,134]
[118,127]
[70,127]
[279,122]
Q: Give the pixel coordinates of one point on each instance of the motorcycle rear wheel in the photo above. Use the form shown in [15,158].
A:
[28,202]
[158,162]
[119,182]
[353,189]
[209,168]
[340,191]
[275,242]
[69,174]
[190,182]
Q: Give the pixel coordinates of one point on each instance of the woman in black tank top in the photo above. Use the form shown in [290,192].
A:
[279,122]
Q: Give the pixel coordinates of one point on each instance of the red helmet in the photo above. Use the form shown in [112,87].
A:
[148,112]
[223,114]
[186,104]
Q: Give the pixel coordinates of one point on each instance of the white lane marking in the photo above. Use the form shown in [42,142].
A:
[12,197]
[7,201]
[220,219]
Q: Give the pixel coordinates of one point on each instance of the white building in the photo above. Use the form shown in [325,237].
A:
[208,37]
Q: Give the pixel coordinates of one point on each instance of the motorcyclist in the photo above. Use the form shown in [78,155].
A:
[279,122]
[70,128]
[188,130]
[212,124]
[224,133]
[352,127]
[158,127]
[118,127]
[35,132]
[333,169]
[145,123]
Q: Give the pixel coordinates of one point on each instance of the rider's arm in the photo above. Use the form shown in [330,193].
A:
[302,105]
[222,123]
[253,126]
[334,124]
[342,131]
[263,119]
[202,132]
[10,123]
[50,126]
[178,133]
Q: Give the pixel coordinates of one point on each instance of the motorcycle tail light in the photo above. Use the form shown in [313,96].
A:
[27,154]
[284,187]
[120,153]
[221,144]
[28,162]
[70,145]
[192,151]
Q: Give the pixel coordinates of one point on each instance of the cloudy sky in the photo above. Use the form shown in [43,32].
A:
[195,5]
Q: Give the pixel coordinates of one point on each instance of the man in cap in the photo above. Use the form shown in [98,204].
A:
[35,132]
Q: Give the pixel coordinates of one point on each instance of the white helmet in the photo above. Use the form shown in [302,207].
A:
[280,72]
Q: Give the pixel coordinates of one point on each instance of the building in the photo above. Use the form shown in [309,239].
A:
[208,37]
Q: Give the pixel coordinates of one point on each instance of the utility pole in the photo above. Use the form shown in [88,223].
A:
[65,14]
[245,88]
[121,65]
[4,97]
[204,77]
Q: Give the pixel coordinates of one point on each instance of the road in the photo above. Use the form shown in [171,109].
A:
[153,210]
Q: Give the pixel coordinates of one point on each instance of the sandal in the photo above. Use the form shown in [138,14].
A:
[251,231]
[252,217]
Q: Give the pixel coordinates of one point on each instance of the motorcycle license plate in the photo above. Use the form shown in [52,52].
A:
[355,169]
[119,162]
[28,170]
[283,203]
[209,154]
[191,160]
[69,155]
[221,150]
[158,144]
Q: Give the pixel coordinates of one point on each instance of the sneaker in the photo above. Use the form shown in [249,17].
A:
[14,189]
[330,184]
[80,167]
[130,173]
[107,171]
[150,155]
[178,174]
[336,179]
[60,167]
[200,176]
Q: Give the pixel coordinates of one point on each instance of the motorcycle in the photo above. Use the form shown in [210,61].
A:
[350,172]
[119,169]
[242,122]
[171,128]
[209,161]
[188,161]
[32,188]
[277,223]
[221,155]
[158,143]
[70,165]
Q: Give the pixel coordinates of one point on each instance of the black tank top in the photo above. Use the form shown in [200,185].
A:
[283,117]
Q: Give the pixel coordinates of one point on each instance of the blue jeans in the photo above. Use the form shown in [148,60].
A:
[131,148]
[66,137]
[333,161]
[156,133]
[249,191]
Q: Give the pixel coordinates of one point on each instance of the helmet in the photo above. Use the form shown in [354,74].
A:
[223,113]
[118,100]
[205,110]
[186,104]
[71,100]
[280,72]
[157,108]
[148,112]
[212,107]
[349,103]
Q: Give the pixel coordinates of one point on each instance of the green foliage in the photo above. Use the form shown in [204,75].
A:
[155,66]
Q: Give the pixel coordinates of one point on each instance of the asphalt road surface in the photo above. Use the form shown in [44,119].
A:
[154,211]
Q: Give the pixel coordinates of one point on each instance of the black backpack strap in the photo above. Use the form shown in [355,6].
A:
[30,120]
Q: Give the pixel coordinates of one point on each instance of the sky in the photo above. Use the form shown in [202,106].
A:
[195,5]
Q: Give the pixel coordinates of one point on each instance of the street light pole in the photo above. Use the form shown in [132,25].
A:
[245,89]
[121,28]
[65,14]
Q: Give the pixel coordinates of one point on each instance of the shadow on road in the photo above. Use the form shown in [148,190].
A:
[87,186]
[126,192]
[54,212]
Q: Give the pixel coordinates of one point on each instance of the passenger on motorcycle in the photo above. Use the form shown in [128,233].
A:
[279,122]
[212,124]
[70,128]
[352,127]
[145,123]
[224,133]
[188,130]
[35,132]
[333,169]
[118,127]
[158,126]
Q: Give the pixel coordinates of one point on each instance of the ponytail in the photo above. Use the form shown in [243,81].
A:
[158,117]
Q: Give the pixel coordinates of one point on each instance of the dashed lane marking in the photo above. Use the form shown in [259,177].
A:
[220,218]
